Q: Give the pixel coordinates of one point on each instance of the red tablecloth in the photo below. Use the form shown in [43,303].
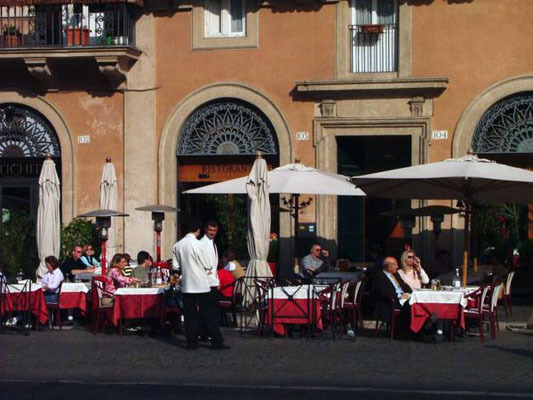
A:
[74,300]
[420,312]
[15,301]
[137,306]
[287,312]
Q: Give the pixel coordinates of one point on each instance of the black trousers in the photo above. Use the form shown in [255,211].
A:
[201,308]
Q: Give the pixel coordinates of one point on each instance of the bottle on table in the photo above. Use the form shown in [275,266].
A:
[20,276]
[457,279]
[158,280]
[296,265]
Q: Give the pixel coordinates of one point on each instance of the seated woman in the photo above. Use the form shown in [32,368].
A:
[115,279]
[412,272]
[230,264]
[227,281]
[52,279]
[88,257]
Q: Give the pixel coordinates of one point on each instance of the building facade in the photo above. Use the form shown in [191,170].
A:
[182,93]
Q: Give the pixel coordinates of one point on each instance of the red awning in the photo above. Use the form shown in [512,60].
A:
[49,2]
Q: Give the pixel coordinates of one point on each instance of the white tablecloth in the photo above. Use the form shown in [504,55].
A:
[298,292]
[75,287]
[139,291]
[438,296]
[15,287]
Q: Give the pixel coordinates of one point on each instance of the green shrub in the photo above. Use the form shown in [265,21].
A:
[78,231]
[18,245]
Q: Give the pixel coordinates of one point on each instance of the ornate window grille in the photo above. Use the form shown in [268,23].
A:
[226,127]
[25,133]
[506,127]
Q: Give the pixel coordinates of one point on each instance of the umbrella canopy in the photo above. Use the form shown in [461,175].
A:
[109,200]
[291,178]
[466,178]
[258,220]
[48,219]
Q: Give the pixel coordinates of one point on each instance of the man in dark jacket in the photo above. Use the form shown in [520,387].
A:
[389,285]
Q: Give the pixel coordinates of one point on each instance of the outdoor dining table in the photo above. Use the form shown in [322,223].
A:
[447,304]
[74,295]
[18,298]
[293,305]
[133,303]
[342,276]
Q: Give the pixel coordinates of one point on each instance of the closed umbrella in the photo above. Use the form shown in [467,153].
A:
[468,178]
[48,218]
[109,201]
[257,187]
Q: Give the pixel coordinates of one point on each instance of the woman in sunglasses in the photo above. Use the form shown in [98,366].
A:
[412,272]
[89,256]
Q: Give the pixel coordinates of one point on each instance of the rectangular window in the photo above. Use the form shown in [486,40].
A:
[224,18]
[374,31]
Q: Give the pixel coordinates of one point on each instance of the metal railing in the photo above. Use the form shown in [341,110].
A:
[66,25]
[374,47]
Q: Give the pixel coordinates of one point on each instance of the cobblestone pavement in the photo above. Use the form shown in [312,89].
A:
[368,366]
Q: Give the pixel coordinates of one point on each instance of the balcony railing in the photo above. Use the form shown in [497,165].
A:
[66,25]
[374,47]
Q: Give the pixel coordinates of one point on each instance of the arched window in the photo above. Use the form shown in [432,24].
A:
[227,127]
[506,127]
[25,133]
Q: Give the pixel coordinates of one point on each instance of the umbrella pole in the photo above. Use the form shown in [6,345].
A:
[466,237]
[296,218]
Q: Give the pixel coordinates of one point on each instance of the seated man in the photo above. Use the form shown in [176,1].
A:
[144,262]
[389,285]
[73,264]
[315,262]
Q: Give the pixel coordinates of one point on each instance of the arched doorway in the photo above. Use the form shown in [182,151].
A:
[505,134]
[26,137]
[218,142]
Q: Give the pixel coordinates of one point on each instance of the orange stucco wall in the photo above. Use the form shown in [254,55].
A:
[295,45]
[473,43]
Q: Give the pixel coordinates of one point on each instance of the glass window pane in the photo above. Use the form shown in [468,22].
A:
[213,9]
[386,11]
[237,15]
[363,12]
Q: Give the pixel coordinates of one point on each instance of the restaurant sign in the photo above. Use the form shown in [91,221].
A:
[21,167]
[213,172]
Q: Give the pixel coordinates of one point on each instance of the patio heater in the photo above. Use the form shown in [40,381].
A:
[158,216]
[407,223]
[103,222]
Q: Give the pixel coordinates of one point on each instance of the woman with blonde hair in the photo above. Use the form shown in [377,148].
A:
[412,272]
[114,278]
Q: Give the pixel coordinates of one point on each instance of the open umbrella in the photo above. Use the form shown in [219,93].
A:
[48,219]
[258,219]
[294,179]
[469,178]
[109,200]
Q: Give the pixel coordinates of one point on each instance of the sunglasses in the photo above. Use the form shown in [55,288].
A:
[410,256]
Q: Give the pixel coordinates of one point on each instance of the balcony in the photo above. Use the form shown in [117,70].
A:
[374,48]
[44,36]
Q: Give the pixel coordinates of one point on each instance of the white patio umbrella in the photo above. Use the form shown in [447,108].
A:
[257,186]
[468,178]
[48,218]
[109,201]
[292,179]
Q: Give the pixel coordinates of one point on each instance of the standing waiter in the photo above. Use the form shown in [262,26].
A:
[189,256]
[211,252]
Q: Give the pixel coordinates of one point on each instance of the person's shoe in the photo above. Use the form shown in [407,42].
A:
[220,346]
[70,318]
[132,329]
[202,338]
[191,347]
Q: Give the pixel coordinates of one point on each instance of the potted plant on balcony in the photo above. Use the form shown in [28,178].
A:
[77,32]
[371,28]
[11,36]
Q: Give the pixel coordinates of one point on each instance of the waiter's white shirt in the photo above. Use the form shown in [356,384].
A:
[189,254]
[53,279]
[211,251]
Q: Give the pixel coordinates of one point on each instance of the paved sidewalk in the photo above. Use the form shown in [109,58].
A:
[76,355]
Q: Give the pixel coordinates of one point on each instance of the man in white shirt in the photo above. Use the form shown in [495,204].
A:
[189,256]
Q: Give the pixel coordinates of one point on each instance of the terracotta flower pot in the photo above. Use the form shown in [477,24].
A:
[78,36]
[375,28]
[11,40]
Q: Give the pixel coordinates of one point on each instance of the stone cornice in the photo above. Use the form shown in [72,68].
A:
[334,88]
